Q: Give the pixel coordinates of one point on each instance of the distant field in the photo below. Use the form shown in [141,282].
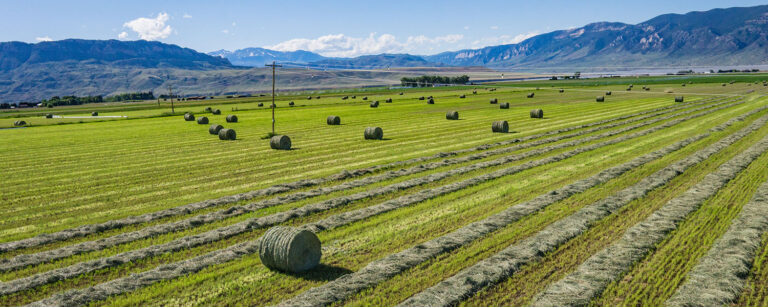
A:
[550,198]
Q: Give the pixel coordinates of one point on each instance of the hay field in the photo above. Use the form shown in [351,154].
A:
[623,202]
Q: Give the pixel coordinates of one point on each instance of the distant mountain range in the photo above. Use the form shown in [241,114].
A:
[30,72]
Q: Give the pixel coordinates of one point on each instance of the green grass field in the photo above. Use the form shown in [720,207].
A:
[435,218]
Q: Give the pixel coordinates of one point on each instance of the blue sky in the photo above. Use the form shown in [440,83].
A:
[332,28]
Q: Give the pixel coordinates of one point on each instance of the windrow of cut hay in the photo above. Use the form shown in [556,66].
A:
[719,277]
[31,259]
[507,262]
[328,223]
[391,265]
[606,266]
[286,187]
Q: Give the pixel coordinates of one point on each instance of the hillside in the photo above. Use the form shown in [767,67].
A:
[259,56]
[733,36]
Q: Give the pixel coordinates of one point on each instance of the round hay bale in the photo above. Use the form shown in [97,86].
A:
[215,128]
[208,109]
[227,135]
[401,93]
[373,133]
[463,96]
[647,88]
[474,92]
[537,113]
[19,123]
[365,98]
[600,99]
[280,142]
[318,97]
[289,249]
[202,120]
[375,104]
[421,98]
[452,115]
[291,103]
[431,101]
[189,117]
[231,118]
[94,113]
[389,100]
[723,84]
[333,120]
[354,97]
[500,126]
[683,84]
[561,90]
[216,112]
[494,101]
[261,104]
[608,93]
[679,99]
[530,95]
[629,89]
[504,105]
[345,98]
[309,97]
[49,115]
[429,97]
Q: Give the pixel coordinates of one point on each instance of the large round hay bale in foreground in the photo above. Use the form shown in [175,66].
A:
[679,99]
[530,95]
[500,126]
[375,104]
[215,128]
[537,113]
[373,133]
[49,115]
[431,101]
[452,115]
[94,113]
[600,98]
[19,123]
[216,112]
[227,135]
[333,120]
[289,249]
[202,120]
[504,105]
[189,117]
[494,101]
[231,118]
[280,142]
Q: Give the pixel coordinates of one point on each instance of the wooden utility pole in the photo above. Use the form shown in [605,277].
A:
[273,65]
[170,93]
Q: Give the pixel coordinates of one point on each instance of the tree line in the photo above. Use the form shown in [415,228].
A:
[425,81]
[75,100]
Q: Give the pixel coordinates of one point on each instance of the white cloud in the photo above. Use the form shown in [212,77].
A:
[151,28]
[503,39]
[186,16]
[43,39]
[225,31]
[494,27]
[466,27]
[122,35]
[340,45]
[234,24]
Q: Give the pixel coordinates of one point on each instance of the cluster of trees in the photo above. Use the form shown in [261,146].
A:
[425,81]
[75,100]
[71,100]
[131,96]
[720,71]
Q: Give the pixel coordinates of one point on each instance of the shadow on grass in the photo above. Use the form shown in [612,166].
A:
[322,272]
